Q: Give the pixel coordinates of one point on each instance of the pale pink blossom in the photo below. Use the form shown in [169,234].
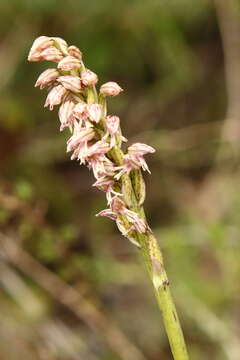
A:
[113,129]
[81,111]
[134,159]
[41,43]
[80,136]
[65,113]
[97,160]
[99,148]
[117,207]
[88,78]
[136,153]
[140,149]
[124,230]
[110,89]
[72,83]
[101,166]
[55,96]
[47,78]
[51,53]
[75,52]
[95,112]
[108,213]
[69,63]
[94,155]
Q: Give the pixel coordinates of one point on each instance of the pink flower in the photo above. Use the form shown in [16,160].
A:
[69,63]
[88,78]
[80,136]
[140,149]
[113,129]
[98,161]
[110,89]
[134,160]
[81,111]
[100,147]
[95,112]
[47,48]
[75,52]
[117,207]
[41,43]
[65,113]
[47,78]
[108,213]
[51,53]
[72,83]
[55,96]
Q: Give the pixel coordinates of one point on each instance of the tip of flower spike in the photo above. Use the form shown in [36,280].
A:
[48,48]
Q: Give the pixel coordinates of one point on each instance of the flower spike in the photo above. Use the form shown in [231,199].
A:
[96,140]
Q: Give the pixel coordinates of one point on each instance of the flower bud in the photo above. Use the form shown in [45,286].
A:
[65,113]
[51,53]
[69,63]
[39,44]
[88,78]
[47,78]
[72,83]
[55,96]
[75,52]
[110,89]
[95,112]
[60,44]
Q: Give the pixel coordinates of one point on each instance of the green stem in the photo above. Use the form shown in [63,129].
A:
[154,262]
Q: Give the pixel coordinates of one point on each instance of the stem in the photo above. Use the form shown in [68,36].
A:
[154,262]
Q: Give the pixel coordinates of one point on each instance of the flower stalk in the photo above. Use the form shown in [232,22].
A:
[96,140]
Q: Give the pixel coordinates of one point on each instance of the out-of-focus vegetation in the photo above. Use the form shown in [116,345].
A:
[71,286]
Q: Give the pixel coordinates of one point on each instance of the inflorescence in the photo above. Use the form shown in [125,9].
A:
[96,138]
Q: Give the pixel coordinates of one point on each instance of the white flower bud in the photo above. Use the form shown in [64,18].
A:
[72,83]
[47,78]
[75,52]
[110,89]
[41,43]
[89,78]
[55,96]
[51,53]
[69,63]
[95,112]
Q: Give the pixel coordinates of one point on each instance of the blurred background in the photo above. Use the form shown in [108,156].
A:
[71,287]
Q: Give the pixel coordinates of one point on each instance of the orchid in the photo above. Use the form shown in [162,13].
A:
[96,140]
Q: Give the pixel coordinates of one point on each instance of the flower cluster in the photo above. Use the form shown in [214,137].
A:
[95,137]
